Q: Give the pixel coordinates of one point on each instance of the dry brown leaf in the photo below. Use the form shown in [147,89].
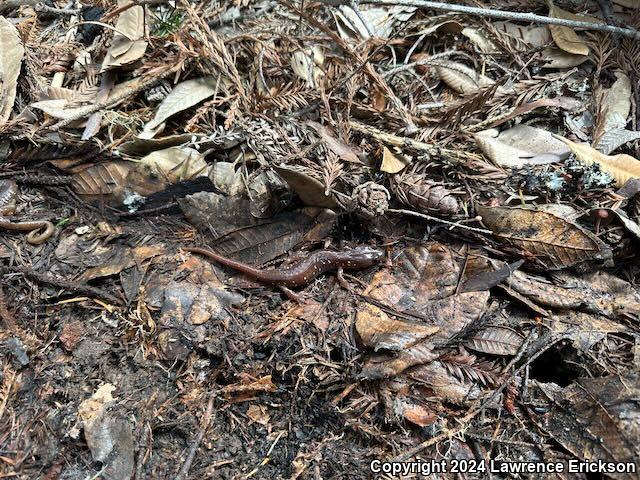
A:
[103,179]
[128,45]
[596,419]
[393,162]
[554,242]
[565,37]
[11,55]
[462,79]
[496,340]
[183,96]
[378,331]
[310,190]
[621,167]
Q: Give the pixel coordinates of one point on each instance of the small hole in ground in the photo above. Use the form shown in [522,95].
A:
[560,364]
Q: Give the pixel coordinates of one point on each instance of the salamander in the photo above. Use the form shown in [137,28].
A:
[305,271]
[40,230]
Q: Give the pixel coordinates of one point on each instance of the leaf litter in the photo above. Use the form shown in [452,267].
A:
[476,164]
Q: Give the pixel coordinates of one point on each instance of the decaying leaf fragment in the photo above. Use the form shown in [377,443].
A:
[11,53]
[621,167]
[393,161]
[600,293]
[553,241]
[103,180]
[595,419]
[495,340]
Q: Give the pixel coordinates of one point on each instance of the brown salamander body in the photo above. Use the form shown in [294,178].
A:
[305,271]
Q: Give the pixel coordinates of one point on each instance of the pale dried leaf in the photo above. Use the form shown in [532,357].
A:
[183,96]
[496,340]
[393,162]
[11,55]
[617,102]
[553,241]
[380,332]
[621,167]
[521,145]
[461,78]
[557,58]
[631,226]
[565,37]
[127,45]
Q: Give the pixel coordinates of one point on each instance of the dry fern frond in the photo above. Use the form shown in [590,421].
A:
[602,50]
[288,98]
[469,106]
[467,368]
[331,170]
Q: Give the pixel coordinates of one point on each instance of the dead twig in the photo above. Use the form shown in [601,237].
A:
[143,84]
[134,3]
[505,15]
[71,286]
[439,220]
[206,420]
